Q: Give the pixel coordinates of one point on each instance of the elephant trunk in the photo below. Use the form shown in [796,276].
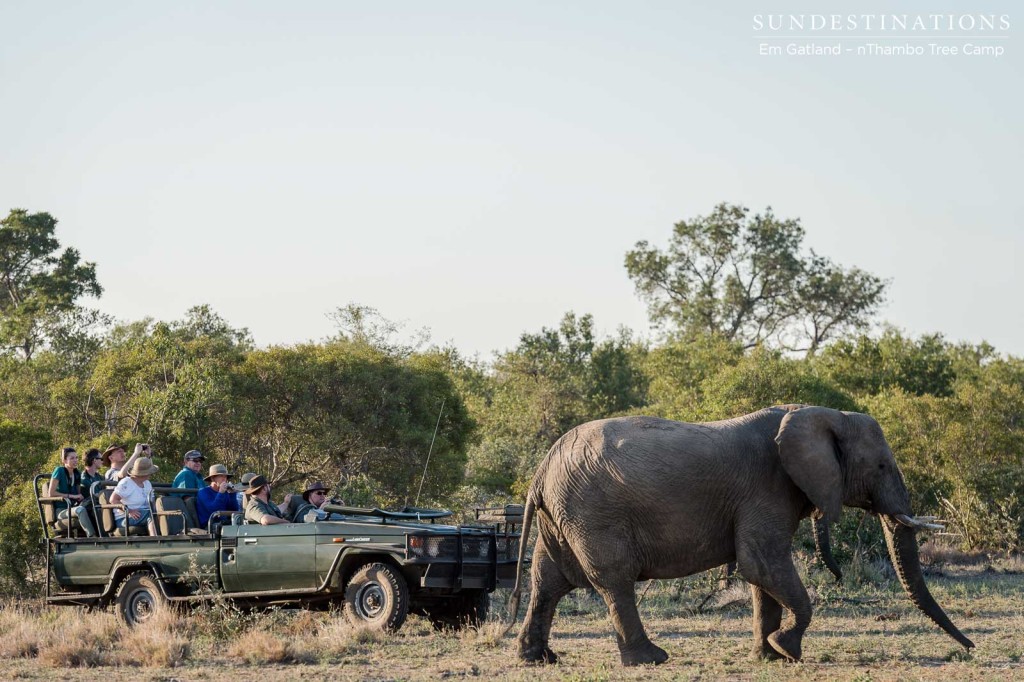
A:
[902,544]
[824,546]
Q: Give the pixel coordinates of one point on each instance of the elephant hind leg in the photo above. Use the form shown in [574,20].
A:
[548,586]
[635,648]
[767,619]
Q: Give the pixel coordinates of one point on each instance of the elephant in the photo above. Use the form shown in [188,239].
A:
[636,498]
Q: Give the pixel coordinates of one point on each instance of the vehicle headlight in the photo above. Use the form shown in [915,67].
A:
[417,545]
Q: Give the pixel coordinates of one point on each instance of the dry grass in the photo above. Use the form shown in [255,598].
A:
[163,642]
[258,647]
[860,631]
[941,553]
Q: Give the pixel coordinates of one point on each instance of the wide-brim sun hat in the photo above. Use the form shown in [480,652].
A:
[314,487]
[109,451]
[217,470]
[255,483]
[143,467]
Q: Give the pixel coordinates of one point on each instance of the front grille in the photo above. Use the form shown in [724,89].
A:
[476,548]
[433,546]
[508,548]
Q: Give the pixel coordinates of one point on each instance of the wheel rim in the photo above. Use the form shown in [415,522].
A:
[371,601]
[141,606]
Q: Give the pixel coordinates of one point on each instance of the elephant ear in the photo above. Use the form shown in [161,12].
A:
[809,449]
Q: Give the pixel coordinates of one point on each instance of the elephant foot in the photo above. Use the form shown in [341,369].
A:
[786,643]
[538,654]
[764,652]
[643,655]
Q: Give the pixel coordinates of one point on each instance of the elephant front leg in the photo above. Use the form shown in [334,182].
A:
[548,586]
[774,572]
[767,619]
[635,648]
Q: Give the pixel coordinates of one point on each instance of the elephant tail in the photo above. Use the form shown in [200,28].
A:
[517,591]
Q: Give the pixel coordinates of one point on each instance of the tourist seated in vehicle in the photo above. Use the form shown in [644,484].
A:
[190,476]
[240,496]
[136,493]
[113,457]
[217,496]
[259,509]
[91,473]
[311,506]
[66,482]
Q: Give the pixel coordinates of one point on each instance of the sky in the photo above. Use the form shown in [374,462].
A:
[480,169]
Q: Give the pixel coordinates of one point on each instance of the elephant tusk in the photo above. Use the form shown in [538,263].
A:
[919,522]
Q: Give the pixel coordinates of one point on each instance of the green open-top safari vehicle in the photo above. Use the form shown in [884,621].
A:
[378,564]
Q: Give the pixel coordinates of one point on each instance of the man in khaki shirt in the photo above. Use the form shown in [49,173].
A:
[260,509]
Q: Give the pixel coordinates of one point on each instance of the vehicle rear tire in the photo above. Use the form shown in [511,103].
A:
[377,596]
[139,599]
[466,610]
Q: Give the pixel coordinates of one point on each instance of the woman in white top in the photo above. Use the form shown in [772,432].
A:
[136,492]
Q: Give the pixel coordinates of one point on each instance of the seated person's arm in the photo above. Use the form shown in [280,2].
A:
[52,492]
[127,466]
[271,520]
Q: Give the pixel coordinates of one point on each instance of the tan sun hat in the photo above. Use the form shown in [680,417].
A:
[217,470]
[109,451]
[143,467]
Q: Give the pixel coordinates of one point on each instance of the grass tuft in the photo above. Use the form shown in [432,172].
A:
[162,642]
[257,647]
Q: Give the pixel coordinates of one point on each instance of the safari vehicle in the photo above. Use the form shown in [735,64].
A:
[379,565]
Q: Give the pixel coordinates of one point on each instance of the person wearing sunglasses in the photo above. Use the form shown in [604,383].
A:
[314,497]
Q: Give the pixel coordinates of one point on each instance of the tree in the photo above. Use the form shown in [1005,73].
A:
[41,284]
[743,277]
[552,381]
[347,411]
[25,451]
[867,366]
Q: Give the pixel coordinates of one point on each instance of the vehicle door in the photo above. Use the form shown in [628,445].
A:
[280,557]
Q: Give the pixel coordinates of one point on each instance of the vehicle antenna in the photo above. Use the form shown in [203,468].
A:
[427,463]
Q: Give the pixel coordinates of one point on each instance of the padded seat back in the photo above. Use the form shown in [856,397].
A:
[191,513]
[170,514]
[107,521]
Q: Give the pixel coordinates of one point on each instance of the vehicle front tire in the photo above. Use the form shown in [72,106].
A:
[377,596]
[465,610]
[139,599]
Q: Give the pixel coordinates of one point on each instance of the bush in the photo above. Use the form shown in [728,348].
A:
[25,452]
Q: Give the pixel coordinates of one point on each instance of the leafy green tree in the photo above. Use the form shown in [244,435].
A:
[42,285]
[553,380]
[165,383]
[348,411]
[25,452]
[762,379]
[864,365]
[963,454]
[678,368]
[744,277]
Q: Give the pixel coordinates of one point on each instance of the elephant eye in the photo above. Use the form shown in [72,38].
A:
[881,466]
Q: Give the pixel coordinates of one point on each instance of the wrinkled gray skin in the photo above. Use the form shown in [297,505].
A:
[635,498]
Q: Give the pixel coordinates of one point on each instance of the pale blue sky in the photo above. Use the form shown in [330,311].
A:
[482,168]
